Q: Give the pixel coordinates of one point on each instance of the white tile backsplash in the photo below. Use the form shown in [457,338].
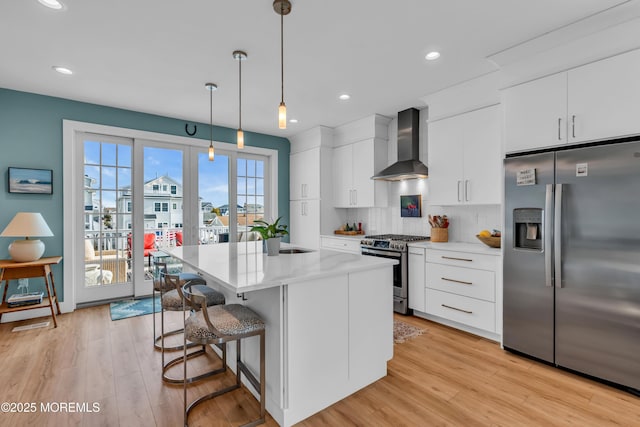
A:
[465,221]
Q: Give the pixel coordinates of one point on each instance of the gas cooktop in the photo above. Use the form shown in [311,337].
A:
[397,237]
[393,242]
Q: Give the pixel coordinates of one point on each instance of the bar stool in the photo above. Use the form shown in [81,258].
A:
[218,325]
[161,286]
[173,301]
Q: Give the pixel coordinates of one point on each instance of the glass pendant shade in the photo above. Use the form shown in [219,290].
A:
[240,141]
[211,153]
[211,87]
[282,116]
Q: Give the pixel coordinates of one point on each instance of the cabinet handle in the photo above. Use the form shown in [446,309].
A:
[466,190]
[573,126]
[459,199]
[457,309]
[457,281]
[559,124]
[355,197]
[456,259]
[350,197]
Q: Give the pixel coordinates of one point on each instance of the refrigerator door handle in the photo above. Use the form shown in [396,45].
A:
[557,235]
[548,205]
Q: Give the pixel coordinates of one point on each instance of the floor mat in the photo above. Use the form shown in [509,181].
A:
[403,331]
[134,307]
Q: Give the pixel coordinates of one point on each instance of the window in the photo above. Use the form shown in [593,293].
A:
[175,206]
[174,189]
[164,188]
[128,206]
[156,187]
[156,207]
[250,190]
[165,207]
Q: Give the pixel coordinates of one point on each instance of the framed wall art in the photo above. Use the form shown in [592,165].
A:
[411,206]
[30,181]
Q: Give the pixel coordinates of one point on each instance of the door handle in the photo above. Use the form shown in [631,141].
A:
[559,124]
[466,190]
[548,203]
[557,235]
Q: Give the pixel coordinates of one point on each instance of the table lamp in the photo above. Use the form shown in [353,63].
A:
[27,224]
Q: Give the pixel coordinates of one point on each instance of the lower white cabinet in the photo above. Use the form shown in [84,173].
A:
[416,279]
[463,289]
[305,223]
[342,244]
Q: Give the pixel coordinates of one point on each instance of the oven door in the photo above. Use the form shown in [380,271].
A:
[399,270]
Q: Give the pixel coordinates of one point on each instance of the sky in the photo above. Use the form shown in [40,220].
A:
[213,182]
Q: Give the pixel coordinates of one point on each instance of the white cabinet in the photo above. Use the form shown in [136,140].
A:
[463,289]
[535,113]
[465,158]
[341,244]
[305,223]
[416,279]
[593,102]
[304,172]
[353,166]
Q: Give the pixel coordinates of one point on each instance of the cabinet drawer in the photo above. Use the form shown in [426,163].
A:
[462,281]
[462,259]
[473,312]
[344,245]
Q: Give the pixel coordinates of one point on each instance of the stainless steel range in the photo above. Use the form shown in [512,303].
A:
[393,246]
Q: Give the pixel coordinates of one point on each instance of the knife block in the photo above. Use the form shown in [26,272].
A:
[439,234]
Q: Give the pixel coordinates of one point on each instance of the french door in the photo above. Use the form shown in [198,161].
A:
[142,196]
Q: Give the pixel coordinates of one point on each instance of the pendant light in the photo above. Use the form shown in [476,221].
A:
[211,87]
[282,7]
[240,56]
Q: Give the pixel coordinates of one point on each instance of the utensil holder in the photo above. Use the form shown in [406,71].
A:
[439,234]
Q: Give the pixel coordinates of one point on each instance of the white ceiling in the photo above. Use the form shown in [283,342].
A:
[155,56]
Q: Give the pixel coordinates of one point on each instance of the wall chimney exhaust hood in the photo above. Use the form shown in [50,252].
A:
[408,165]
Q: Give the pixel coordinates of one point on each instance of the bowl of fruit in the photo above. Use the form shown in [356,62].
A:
[490,238]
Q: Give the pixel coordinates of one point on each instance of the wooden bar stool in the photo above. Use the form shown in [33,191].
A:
[218,325]
[173,301]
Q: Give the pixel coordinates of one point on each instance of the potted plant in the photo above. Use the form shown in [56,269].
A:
[271,234]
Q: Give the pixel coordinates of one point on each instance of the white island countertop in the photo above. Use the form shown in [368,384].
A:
[242,267]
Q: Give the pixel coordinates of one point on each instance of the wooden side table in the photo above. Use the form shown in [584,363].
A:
[11,270]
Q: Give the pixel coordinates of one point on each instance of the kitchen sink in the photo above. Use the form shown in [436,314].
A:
[294,251]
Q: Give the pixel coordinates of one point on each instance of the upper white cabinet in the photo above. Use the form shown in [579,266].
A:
[353,166]
[536,113]
[465,158]
[593,102]
[360,151]
[304,170]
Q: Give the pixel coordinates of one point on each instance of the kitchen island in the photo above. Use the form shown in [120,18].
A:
[328,316]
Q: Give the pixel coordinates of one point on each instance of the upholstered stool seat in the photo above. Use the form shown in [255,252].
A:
[161,285]
[218,325]
[173,301]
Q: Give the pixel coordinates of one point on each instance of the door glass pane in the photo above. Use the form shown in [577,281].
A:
[250,195]
[105,258]
[163,168]
[213,196]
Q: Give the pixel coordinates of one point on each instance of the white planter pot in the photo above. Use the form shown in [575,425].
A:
[273,246]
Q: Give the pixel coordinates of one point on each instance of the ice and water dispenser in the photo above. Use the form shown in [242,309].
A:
[528,228]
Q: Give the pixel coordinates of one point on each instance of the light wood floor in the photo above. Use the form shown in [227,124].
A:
[442,378]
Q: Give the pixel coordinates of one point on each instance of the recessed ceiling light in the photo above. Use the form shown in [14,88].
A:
[51,4]
[62,70]
[293,121]
[344,97]
[432,55]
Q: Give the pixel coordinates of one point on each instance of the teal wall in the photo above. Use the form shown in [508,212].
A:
[31,137]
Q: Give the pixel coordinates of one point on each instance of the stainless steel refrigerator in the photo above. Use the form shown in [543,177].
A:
[572,259]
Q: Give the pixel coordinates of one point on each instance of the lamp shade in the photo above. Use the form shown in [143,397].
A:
[27,224]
